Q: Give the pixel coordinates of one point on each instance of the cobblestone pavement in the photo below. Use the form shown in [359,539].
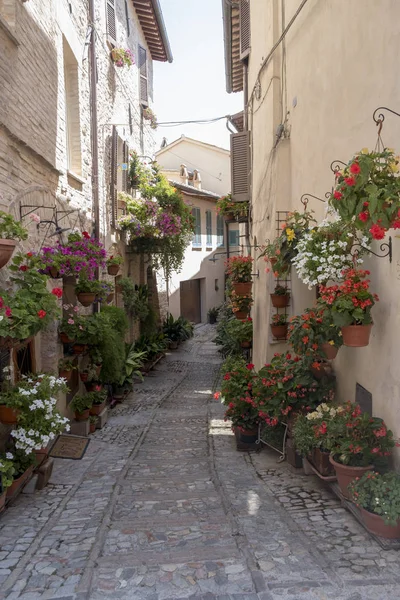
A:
[163,507]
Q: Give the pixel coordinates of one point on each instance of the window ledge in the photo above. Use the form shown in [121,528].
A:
[6,28]
[209,248]
[197,248]
[77,178]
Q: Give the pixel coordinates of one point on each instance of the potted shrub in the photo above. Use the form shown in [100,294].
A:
[241,305]
[231,210]
[74,330]
[241,331]
[367,192]
[281,297]
[10,231]
[7,471]
[114,263]
[279,326]
[81,405]
[92,423]
[90,373]
[239,268]
[314,334]
[212,315]
[378,497]
[122,57]
[39,421]
[99,401]
[350,304]
[87,289]
[65,368]
[355,441]
[23,467]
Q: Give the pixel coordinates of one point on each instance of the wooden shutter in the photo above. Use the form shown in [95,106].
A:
[143,87]
[125,159]
[240,166]
[244,28]
[209,227]
[128,29]
[111,22]
[130,119]
[113,176]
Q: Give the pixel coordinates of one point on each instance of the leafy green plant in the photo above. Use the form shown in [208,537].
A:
[225,206]
[7,471]
[149,115]
[21,461]
[306,428]
[153,345]
[98,397]
[239,268]
[279,319]
[378,494]
[10,229]
[122,57]
[309,331]
[114,259]
[280,290]
[134,361]
[212,314]
[81,402]
[66,364]
[88,286]
[240,331]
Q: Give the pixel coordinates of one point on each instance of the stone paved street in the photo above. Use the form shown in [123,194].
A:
[163,507]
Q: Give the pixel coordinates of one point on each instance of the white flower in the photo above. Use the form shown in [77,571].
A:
[9,455]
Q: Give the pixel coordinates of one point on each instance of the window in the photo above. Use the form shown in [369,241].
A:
[111,22]
[220,231]
[196,243]
[72,116]
[143,87]
[234,237]
[209,227]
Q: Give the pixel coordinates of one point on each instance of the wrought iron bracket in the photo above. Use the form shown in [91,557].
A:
[305,198]
[256,274]
[381,117]
[336,165]
[385,247]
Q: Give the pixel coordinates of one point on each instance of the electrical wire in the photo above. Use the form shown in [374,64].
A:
[193,121]
[195,166]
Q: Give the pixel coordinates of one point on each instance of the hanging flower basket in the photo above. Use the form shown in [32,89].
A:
[280,300]
[54,273]
[329,351]
[113,270]
[356,336]
[86,298]
[242,288]
[241,314]
[246,344]
[279,331]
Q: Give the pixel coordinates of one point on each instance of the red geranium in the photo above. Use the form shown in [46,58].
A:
[350,181]
[57,292]
[377,232]
[41,314]
[355,168]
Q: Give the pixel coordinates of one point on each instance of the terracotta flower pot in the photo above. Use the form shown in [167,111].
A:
[273,261]
[97,409]
[8,416]
[113,270]
[98,370]
[375,524]
[86,298]
[110,298]
[246,344]
[321,462]
[2,501]
[17,483]
[279,331]
[79,348]
[329,351]
[173,345]
[319,372]
[242,288]
[65,339]
[84,376]
[65,374]
[346,474]
[92,427]
[7,248]
[280,300]
[82,416]
[248,436]
[356,336]
[241,314]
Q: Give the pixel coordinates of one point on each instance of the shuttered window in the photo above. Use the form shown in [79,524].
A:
[234,237]
[111,22]
[244,28]
[125,162]
[208,228]
[128,29]
[143,84]
[196,243]
[240,166]
[114,176]
[220,231]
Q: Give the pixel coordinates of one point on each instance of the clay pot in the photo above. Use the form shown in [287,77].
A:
[79,348]
[92,427]
[53,272]
[246,344]
[319,372]
[173,345]
[84,376]
[7,248]
[86,298]
[375,524]
[110,298]
[2,501]
[97,409]
[273,261]
[17,483]
[65,374]
[279,331]
[242,288]
[356,336]
[241,314]
[65,339]
[321,462]
[248,436]
[113,270]
[8,416]
[98,370]
[346,474]
[280,300]
[82,416]
[329,351]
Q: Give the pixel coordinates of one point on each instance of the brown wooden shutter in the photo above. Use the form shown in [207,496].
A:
[125,159]
[114,176]
[143,87]
[244,28]
[240,166]
[111,22]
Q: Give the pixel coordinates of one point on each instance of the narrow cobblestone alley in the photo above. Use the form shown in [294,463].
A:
[163,507]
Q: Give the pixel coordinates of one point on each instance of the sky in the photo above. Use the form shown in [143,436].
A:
[193,86]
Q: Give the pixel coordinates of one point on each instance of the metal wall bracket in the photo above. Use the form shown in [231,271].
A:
[385,247]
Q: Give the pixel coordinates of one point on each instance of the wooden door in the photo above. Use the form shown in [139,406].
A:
[190,300]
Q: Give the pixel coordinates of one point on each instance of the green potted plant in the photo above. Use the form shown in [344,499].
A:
[23,467]
[98,402]
[280,297]
[241,304]
[87,289]
[7,471]
[378,497]
[92,423]
[81,405]
[367,192]
[74,330]
[212,315]
[114,263]
[65,368]
[231,210]
[89,373]
[350,304]
[308,440]
[10,231]
[314,334]
[239,269]
[241,331]
[279,326]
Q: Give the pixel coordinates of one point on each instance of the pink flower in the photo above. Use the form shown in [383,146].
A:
[76,309]
[8,312]
[71,322]
[35,218]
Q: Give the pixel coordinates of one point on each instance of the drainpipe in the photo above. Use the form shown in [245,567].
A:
[93,123]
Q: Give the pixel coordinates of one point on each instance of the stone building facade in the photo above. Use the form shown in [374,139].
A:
[46,110]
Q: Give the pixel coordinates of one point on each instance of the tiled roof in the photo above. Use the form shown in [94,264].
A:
[191,190]
[152,23]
